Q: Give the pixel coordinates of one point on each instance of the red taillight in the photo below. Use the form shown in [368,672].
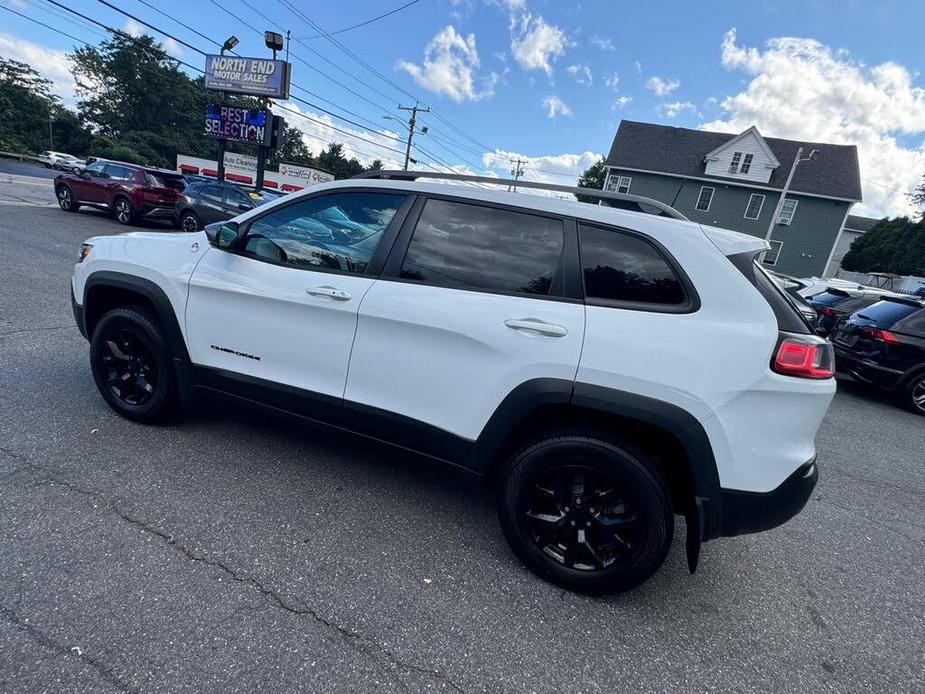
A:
[880,334]
[805,358]
[825,311]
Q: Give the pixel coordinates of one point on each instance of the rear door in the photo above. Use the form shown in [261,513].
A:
[117,178]
[475,301]
[210,204]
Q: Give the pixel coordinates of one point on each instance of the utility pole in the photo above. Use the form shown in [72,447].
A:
[516,171]
[411,122]
[51,137]
[783,194]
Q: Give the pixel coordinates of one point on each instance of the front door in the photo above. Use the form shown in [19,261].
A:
[91,186]
[283,308]
[210,206]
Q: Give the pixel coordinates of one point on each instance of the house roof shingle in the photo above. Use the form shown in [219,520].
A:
[680,151]
[857,223]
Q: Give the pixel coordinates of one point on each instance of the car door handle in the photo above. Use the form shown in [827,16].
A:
[329,291]
[535,325]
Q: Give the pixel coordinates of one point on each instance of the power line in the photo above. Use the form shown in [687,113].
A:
[368,21]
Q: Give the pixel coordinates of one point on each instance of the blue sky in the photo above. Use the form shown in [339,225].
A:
[551,80]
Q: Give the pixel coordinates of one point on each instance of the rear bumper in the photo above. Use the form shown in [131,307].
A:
[753,512]
[866,371]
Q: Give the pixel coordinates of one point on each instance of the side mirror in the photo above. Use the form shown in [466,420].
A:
[223,235]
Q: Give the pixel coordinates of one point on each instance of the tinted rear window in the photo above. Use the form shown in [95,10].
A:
[164,180]
[620,267]
[887,314]
[475,247]
[827,298]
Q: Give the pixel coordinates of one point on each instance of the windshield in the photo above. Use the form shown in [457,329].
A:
[886,314]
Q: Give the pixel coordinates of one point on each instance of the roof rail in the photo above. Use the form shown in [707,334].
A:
[608,198]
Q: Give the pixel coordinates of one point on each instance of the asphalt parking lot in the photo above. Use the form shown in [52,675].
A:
[237,552]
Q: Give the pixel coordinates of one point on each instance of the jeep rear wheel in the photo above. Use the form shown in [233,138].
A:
[66,199]
[587,514]
[132,365]
[124,211]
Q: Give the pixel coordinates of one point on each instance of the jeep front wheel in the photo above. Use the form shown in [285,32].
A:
[132,365]
[587,514]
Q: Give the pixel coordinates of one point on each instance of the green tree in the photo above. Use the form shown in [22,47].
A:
[918,197]
[893,245]
[332,159]
[26,106]
[292,149]
[592,177]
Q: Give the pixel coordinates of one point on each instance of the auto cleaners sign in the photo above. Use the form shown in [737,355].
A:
[257,76]
[302,176]
[238,124]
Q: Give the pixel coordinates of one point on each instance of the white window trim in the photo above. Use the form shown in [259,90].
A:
[787,221]
[700,195]
[734,163]
[747,162]
[780,246]
[749,204]
[615,181]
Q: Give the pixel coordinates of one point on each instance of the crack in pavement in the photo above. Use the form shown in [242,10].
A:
[39,637]
[360,643]
[36,330]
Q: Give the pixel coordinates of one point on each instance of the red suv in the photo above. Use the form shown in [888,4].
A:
[129,191]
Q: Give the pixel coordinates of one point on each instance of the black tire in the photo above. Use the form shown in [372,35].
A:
[913,394]
[123,210]
[624,540]
[190,218]
[129,340]
[66,199]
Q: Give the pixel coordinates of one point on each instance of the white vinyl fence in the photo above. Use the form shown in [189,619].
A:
[906,283]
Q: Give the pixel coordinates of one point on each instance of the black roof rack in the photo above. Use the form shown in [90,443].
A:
[625,201]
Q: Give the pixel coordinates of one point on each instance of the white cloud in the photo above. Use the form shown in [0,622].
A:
[801,89]
[450,63]
[621,102]
[661,87]
[555,107]
[674,108]
[563,169]
[602,42]
[612,81]
[638,67]
[48,62]
[581,74]
[136,29]
[535,44]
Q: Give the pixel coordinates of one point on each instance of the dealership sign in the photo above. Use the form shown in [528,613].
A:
[257,76]
[238,124]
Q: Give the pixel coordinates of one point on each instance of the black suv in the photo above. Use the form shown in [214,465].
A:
[208,202]
[884,344]
[834,303]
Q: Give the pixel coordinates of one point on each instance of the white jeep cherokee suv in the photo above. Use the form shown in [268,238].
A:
[606,369]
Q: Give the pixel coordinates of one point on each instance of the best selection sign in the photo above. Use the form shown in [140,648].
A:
[257,76]
[238,124]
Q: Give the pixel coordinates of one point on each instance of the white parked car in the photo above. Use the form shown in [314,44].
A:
[607,369]
[59,160]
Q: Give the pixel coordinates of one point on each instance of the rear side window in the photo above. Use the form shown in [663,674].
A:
[211,194]
[898,314]
[474,247]
[119,173]
[620,267]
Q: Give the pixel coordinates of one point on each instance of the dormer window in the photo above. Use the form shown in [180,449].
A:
[746,163]
[734,164]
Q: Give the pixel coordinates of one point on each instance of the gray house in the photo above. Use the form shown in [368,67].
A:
[855,226]
[735,182]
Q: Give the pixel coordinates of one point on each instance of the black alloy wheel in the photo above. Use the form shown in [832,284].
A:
[132,365]
[189,222]
[123,211]
[129,366]
[583,519]
[589,514]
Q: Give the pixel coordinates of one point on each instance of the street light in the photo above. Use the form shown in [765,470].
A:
[229,44]
[813,156]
